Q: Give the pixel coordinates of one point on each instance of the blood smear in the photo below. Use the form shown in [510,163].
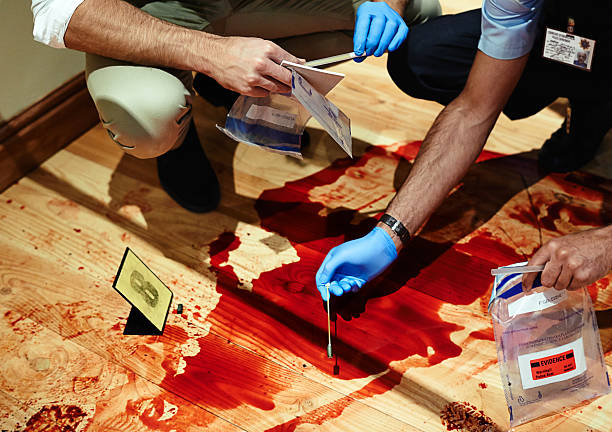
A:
[392,319]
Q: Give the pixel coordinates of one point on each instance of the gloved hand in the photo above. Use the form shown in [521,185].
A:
[349,266]
[377,28]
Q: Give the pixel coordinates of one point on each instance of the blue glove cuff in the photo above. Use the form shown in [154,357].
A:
[382,236]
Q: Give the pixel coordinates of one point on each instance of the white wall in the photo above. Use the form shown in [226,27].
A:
[28,70]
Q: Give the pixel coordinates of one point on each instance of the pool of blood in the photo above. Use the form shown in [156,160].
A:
[393,318]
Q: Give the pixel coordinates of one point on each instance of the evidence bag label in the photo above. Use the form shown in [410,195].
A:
[272,115]
[552,365]
[536,302]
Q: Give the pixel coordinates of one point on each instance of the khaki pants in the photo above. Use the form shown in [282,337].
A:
[147,110]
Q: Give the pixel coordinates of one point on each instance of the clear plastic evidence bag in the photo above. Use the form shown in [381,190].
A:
[548,346]
[276,122]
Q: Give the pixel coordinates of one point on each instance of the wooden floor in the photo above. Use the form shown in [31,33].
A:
[248,352]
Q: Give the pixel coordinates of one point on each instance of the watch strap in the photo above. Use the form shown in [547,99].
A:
[396,226]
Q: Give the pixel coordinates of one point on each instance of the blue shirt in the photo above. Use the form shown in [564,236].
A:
[509,27]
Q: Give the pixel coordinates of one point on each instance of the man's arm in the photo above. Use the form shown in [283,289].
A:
[450,147]
[114,28]
[455,140]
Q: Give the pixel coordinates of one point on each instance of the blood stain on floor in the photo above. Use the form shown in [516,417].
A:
[223,375]
[62,417]
[483,334]
[283,300]
[280,311]
[64,208]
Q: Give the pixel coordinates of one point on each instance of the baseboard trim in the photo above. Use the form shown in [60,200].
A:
[40,131]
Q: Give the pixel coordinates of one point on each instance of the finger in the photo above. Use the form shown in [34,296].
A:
[354,283]
[575,266]
[354,280]
[539,258]
[325,272]
[335,288]
[275,71]
[399,38]
[273,86]
[551,273]
[377,27]
[278,54]
[565,278]
[323,291]
[575,284]
[346,287]
[360,36]
[386,37]
[256,92]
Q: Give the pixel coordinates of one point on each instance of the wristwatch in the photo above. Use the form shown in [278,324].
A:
[396,226]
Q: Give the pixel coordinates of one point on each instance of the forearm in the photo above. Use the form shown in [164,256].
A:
[455,140]
[114,28]
[452,144]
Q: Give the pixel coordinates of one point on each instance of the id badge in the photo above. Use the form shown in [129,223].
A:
[569,48]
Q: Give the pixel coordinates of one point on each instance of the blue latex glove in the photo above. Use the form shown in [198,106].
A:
[377,28]
[349,266]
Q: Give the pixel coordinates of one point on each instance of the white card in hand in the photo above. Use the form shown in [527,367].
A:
[334,121]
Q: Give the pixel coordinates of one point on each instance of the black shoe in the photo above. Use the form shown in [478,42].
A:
[564,152]
[214,92]
[187,176]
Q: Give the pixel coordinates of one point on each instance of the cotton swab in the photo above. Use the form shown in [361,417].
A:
[518,269]
[332,59]
[329,346]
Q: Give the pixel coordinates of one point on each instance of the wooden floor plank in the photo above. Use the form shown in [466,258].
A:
[62,384]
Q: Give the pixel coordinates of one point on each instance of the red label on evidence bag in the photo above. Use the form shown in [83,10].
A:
[553,365]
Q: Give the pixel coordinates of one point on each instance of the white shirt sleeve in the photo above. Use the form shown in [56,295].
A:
[509,27]
[51,18]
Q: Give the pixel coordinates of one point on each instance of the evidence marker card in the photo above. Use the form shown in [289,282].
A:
[143,290]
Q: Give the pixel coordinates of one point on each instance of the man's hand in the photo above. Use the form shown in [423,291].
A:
[349,266]
[573,261]
[378,28]
[251,66]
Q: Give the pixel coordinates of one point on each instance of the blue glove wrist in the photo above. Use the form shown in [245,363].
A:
[382,237]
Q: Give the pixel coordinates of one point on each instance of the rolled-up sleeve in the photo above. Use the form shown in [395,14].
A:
[509,27]
[51,18]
